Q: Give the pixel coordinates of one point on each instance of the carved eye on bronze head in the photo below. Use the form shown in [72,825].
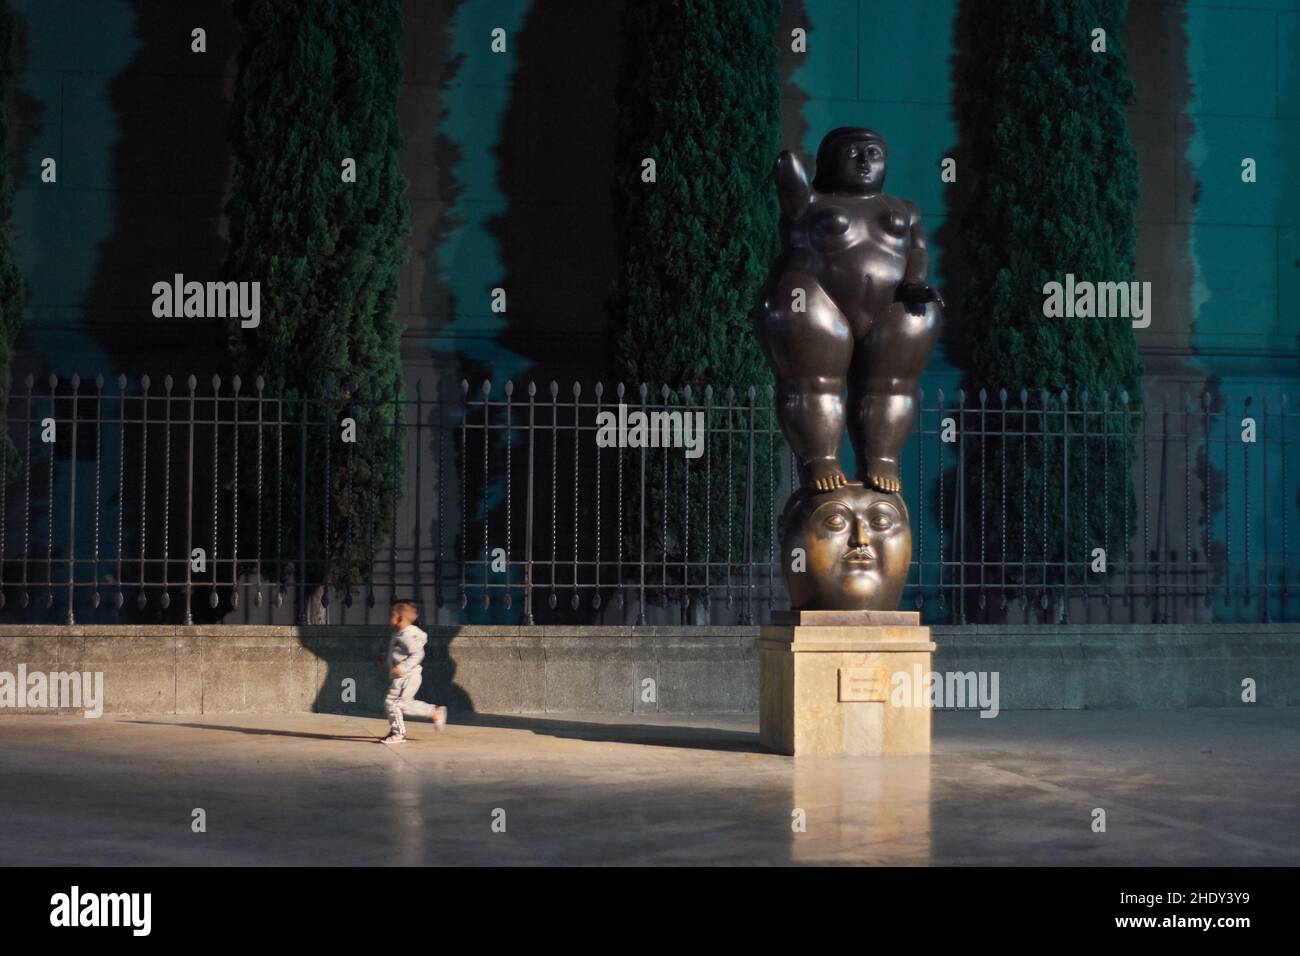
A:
[836,521]
[883,519]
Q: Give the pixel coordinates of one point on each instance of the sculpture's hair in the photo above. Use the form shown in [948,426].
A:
[828,144]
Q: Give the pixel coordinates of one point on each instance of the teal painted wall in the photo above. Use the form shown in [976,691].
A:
[1243,67]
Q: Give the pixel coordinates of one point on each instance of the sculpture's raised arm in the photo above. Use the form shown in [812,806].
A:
[792,186]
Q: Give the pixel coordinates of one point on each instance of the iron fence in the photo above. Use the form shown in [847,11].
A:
[146,501]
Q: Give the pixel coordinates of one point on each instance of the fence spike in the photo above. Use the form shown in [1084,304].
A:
[216,383]
[532,389]
[577,389]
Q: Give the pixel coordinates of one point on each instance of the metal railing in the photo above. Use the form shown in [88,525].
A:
[134,502]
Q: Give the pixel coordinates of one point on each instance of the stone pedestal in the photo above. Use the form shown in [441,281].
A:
[825,682]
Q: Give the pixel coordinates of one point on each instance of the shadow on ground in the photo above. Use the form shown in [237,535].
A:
[652,735]
[649,735]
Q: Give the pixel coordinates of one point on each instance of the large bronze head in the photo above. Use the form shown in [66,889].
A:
[845,550]
[851,159]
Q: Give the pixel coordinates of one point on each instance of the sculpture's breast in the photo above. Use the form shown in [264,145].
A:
[830,227]
[892,222]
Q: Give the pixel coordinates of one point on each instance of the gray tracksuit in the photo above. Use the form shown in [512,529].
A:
[406,653]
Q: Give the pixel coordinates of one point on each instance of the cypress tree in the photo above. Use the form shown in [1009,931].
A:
[13,290]
[1056,192]
[699,94]
[317,85]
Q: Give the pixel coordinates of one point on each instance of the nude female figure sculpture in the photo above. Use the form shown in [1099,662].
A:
[846,308]
[847,304]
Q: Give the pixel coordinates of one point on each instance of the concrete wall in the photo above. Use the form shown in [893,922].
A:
[603,669]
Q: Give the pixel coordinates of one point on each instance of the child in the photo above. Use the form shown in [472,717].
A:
[405,654]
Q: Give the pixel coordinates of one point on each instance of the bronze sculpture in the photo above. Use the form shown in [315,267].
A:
[848,549]
[847,306]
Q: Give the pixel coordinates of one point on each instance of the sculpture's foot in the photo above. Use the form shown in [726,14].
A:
[825,475]
[883,476]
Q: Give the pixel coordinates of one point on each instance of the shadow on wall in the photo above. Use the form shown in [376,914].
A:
[556,172]
[357,654]
[170,166]
[953,273]
[794,99]
[26,112]
[1289,264]
[430,154]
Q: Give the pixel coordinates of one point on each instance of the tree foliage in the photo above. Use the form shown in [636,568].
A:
[13,289]
[699,95]
[318,84]
[1056,193]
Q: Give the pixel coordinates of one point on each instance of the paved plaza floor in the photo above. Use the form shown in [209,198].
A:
[1192,787]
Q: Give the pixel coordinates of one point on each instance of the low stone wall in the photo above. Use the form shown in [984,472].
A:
[177,670]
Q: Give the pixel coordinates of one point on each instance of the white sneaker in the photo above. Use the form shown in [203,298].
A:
[394,738]
[440,717]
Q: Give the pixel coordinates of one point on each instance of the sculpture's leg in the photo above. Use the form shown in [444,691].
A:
[811,412]
[809,351]
[882,389]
